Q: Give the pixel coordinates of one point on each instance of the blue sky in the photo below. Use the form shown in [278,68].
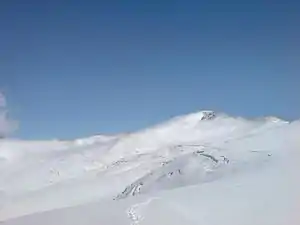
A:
[76,68]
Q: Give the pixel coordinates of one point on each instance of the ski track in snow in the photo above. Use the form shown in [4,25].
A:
[134,212]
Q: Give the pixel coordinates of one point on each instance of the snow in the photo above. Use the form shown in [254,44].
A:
[201,168]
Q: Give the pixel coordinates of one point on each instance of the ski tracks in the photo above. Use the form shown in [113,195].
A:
[134,212]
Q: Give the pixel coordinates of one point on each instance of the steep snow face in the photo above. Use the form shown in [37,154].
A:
[187,150]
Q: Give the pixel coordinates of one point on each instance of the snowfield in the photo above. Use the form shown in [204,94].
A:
[202,168]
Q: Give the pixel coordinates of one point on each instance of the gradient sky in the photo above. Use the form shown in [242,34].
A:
[77,68]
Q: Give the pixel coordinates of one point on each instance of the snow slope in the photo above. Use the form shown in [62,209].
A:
[199,168]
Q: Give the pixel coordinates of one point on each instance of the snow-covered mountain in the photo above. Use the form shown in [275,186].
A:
[201,151]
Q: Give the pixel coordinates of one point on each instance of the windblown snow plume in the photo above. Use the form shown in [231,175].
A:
[7,126]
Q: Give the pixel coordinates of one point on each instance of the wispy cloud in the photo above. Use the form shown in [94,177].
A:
[7,126]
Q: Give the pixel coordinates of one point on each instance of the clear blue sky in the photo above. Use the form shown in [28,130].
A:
[76,68]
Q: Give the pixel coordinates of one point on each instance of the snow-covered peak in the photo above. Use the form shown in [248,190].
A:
[185,151]
[198,116]
[198,127]
[208,115]
[194,118]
